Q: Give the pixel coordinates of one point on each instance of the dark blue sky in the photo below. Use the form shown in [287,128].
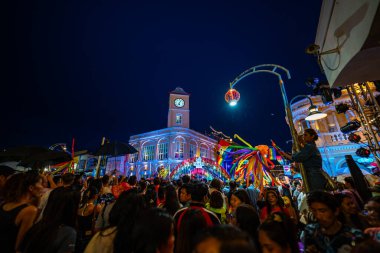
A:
[88,69]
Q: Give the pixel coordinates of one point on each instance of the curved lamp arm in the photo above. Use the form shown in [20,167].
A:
[273,69]
[301,96]
[263,68]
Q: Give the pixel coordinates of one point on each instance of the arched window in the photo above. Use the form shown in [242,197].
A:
[192,149]
[179,146]
[178,119]
[162,148]
[204,151]
[148,152]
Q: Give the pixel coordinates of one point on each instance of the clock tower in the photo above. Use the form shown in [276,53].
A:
[179,110]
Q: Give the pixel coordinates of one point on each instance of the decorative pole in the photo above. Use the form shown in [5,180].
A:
[232,96]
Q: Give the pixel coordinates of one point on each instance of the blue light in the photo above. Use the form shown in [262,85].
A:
[365,160]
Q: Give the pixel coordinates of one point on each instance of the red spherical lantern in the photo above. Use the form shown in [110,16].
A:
[232,97]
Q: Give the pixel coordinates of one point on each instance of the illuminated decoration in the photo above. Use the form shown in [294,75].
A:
[280,160]
[232,97]
[350,126]
[64,167]
[200,167]
[248,162]
[366,160]
[342,108]
[362,152]
[272,154]
[162,171]
[354,138]
[287,170]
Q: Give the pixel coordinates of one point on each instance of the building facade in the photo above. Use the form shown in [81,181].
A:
[332,143]
[160,151]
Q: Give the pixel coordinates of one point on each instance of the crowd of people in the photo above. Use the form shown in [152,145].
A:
[72,213]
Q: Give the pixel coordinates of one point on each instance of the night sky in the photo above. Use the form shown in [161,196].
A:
[88,69]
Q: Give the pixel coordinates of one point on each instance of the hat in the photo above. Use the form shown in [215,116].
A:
[6,171]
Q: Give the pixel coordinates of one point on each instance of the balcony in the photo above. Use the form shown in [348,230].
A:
[335,138]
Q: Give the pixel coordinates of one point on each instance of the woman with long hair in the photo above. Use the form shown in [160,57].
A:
[56,230]
[171,202]
[273,203]
[17,212]
[122,218]
[349,213]
[239,197]
[150,196]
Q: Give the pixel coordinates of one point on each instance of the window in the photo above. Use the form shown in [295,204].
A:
[179,147]
[162,151]
[204,151]
[178,119]
[332,128]
[148,153]
[133,157]
[331,122]
[193,150]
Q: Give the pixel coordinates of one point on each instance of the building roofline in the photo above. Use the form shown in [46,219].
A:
[171,130]
[179,91]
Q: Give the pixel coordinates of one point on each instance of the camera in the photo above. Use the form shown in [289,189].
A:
[312,49]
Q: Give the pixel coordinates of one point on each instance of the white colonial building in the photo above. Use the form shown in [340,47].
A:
[332,143]
[168,147]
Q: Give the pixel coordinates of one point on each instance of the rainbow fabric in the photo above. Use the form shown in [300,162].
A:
[249,163]
[272,153]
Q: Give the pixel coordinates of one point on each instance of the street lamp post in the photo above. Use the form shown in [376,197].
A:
[232,96]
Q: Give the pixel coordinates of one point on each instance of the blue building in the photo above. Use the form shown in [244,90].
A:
[160,151]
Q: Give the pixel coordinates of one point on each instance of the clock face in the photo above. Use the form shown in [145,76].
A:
[179,102]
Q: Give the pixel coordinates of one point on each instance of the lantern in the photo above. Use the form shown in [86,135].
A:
[232,97]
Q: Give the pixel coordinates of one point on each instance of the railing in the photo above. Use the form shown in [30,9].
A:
[335,138]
